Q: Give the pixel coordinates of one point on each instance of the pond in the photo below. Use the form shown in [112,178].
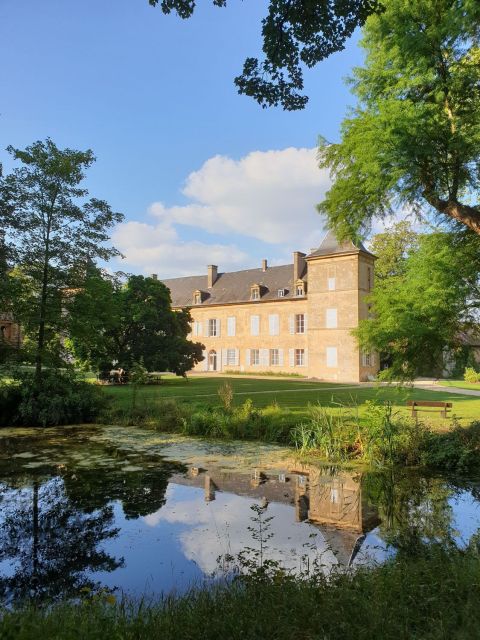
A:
[141,513]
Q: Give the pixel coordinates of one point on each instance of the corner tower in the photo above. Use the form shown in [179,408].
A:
[340,276]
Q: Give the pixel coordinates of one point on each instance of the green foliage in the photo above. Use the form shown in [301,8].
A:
[52,232]
[381,436]
[456,451]
[166,415]
[471,375]
[134,322]
[392,248]
[10,398]
[420,312]
[414,137]
[59,398]
[433,596]
[333,435]
[295,34]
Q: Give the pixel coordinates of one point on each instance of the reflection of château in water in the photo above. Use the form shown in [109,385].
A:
[330,498]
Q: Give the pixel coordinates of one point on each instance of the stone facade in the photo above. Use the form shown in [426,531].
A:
[10,330]
[296,319]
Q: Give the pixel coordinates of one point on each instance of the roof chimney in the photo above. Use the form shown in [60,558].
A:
[154,276]
[299,264]
[264,265]
[211,275]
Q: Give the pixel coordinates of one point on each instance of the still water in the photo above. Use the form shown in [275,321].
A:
[143,513]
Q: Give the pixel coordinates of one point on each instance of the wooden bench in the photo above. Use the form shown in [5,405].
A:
[424,405]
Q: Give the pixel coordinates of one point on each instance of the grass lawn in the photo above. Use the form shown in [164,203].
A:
[295,395]
[460,384]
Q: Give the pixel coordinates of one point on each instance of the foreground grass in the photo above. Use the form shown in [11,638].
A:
[295,396]
[432,597]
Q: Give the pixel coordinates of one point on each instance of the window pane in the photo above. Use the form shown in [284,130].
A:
[274,359]
[299,357]
[300,323]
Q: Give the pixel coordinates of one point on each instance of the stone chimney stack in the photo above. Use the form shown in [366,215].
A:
[298,265]
[264,265]
[212,275]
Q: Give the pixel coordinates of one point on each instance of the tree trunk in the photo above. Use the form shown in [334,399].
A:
[43,309]
[469,216]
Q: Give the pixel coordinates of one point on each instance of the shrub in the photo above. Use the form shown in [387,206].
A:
[471,375]
[167,415]
[456,451]
[59,398]
[10,398]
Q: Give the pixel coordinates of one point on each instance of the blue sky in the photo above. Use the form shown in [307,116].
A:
[201,173]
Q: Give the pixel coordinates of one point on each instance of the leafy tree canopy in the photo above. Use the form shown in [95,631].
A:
[52,229]
[295,33]
[392,249]
[133,323]
[426,305]
[414,138]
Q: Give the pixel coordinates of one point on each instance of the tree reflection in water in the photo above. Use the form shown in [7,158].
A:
[49,545]
[55,518]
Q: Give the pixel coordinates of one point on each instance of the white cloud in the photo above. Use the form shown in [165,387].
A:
[268,196]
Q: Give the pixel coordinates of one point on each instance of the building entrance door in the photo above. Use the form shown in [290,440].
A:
[212,361]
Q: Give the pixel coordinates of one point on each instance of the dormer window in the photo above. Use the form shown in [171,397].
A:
[300,288]
[197,297]
[255,292]
[281,293]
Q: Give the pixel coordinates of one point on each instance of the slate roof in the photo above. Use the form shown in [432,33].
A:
[331,246]
[234,286]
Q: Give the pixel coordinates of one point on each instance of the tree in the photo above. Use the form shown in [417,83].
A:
[52,231]
[295,33]
[134,323]
[414,138]
[422,309]
[392,249]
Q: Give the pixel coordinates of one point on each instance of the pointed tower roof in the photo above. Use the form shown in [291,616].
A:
[331,246]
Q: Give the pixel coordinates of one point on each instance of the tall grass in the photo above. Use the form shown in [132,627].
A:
[432,597]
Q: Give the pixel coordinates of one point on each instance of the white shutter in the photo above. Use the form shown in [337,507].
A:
[237,356]
[224,358]
[217,323]
[291,323]
[247,358]
[305,357]
[280,357]
[254,325]
[305,323]
[205,362]
[331,319]
[332,357]
[264,357]
[372,359]
[231,326]
[291,357]
[206,332]
[273,324]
